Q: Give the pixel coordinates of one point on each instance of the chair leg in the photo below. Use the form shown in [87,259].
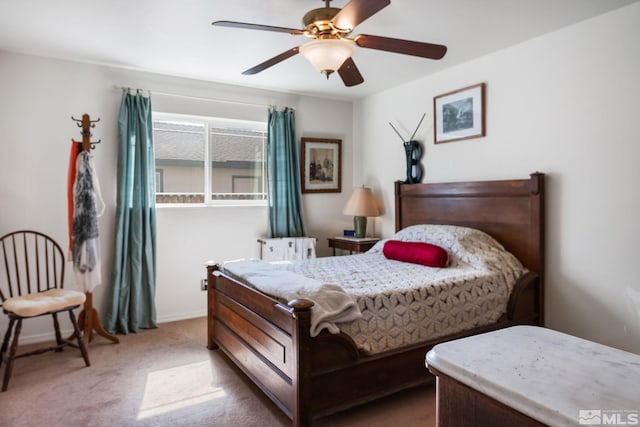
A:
[56,327]
[12,355]
[5,342]
[76,330]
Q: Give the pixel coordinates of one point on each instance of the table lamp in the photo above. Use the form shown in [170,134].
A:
[361,205]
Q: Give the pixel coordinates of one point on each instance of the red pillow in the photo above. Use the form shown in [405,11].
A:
[416,253]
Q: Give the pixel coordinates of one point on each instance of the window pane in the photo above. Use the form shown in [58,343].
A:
[204,159]
[238,166]
[180,167]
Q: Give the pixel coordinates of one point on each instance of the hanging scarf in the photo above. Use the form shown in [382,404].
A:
[71,182]
[85,245]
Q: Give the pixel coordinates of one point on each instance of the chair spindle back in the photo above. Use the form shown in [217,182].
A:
[31,262]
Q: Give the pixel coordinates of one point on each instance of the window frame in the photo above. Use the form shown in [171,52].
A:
[209,122]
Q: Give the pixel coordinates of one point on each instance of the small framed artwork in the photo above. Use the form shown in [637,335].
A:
[320,165]
[459,114]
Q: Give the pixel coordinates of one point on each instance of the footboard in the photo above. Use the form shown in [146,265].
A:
[266,339]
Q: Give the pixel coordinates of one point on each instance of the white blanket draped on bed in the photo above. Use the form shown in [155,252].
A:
[331,303]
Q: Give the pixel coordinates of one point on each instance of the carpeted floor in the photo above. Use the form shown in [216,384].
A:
[167,377]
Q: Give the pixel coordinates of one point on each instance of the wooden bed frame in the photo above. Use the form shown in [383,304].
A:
[307,377]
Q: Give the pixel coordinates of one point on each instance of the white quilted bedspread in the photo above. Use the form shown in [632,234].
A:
[404,304]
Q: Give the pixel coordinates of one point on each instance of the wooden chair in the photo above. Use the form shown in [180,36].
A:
[31,285]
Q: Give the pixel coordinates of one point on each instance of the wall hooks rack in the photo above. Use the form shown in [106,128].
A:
[89,320]
[86,124]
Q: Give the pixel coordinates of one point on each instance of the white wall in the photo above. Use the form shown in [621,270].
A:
[565,104]
[37,98]
[328,121]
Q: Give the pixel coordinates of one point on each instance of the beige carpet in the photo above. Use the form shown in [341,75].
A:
[167,377]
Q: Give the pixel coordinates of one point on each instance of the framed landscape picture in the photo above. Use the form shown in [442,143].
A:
[459,114]
[320,165]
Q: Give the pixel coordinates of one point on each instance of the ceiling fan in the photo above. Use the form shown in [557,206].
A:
[331,49]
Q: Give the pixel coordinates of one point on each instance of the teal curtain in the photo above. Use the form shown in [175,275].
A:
[283,175]
[132,303]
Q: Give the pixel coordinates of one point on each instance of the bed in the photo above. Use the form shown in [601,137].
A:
[305,375]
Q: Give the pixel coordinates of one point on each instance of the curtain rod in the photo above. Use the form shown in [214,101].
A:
[201,98]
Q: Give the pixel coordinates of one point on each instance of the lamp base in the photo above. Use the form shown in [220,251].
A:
[360,226]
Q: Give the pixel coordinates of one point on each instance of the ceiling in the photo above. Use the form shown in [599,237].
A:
[177,38]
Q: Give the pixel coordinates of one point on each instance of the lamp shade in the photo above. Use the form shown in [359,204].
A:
[361,203]
[327,55]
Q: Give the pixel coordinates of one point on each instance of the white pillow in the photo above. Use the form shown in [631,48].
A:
[470,245]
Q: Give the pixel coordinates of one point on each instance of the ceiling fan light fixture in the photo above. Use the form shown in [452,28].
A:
[332,48]
[327,55]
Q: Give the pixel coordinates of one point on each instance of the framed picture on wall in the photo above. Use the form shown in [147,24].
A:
[460,114]
[320,165]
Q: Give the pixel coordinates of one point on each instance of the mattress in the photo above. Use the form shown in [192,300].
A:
[403,303]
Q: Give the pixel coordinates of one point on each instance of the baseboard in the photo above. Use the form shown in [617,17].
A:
[38,338]
[51,336]
[182,316]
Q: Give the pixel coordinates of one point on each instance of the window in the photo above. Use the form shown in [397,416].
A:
[205,160]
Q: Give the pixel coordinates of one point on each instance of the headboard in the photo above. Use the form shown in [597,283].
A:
[512,211]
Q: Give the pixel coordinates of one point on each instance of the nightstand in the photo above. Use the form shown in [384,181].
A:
[352,244]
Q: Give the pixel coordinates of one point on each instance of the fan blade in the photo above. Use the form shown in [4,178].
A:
[356,12]
[273,61]
[406,47]
[349,73]
[248,26]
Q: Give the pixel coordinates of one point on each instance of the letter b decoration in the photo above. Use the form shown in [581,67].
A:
[413,151]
